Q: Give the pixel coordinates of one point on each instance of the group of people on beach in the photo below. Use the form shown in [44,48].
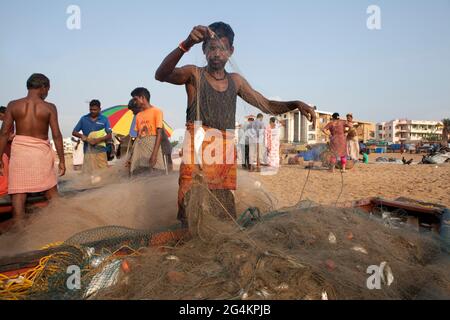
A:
[344,142]
[151,147]
[210,124]
[258,143]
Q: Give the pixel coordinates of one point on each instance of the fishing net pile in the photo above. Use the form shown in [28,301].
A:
[81,266]
[304,252]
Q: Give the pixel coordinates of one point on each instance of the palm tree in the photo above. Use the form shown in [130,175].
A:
[445,131]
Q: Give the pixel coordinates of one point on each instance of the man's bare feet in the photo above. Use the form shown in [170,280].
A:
[12,226]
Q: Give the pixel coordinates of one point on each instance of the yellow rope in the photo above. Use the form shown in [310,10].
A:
[18,286]
[15,288]
[52,245]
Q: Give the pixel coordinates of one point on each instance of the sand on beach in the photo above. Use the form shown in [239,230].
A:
[429,183]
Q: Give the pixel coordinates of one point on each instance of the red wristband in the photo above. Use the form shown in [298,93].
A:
[182,47]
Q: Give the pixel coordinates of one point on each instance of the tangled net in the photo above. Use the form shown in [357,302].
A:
[311,253]
[303,252]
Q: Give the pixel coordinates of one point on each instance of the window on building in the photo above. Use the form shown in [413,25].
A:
[380,128]
[311,137]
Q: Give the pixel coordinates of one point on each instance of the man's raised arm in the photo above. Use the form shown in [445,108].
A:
[168,72]
[253,97]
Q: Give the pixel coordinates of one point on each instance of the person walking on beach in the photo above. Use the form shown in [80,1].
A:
[273,143]
[166,146]
[78,154]
[32,162]
[338,142]
[261,156]
[248,131]
[146,154]
[352,139]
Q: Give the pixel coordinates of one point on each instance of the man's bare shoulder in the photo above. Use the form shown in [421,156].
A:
[50,105]
[190,67]
[15,103]
[24,101]
[237,78]
[193,70]
[235,75]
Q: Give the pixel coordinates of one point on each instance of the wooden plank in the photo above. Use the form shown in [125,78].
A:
[414,222]
[408,207]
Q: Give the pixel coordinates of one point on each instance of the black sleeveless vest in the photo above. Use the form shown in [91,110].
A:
[217,109]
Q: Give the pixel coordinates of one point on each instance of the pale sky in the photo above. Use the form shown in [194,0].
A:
[320,52]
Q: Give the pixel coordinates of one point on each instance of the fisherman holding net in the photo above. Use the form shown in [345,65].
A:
[209,149]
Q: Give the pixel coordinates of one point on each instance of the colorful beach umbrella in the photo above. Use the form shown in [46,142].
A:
[123,121]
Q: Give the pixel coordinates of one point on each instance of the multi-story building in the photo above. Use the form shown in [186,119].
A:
[297,129]
[408,131]
[365,130]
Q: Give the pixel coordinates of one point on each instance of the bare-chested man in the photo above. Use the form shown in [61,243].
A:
[31,167]
[212,93]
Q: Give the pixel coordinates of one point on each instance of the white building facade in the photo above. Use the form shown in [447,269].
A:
[297,129]
[408,131]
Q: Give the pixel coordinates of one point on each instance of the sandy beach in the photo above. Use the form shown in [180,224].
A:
[420,182]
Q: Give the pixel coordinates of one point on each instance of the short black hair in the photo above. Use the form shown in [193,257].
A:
[335,116]
[95,103]
[37,81]
[141,92]
[2,109]
[273,119]
[223,30]
[132,104]
[260,115]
